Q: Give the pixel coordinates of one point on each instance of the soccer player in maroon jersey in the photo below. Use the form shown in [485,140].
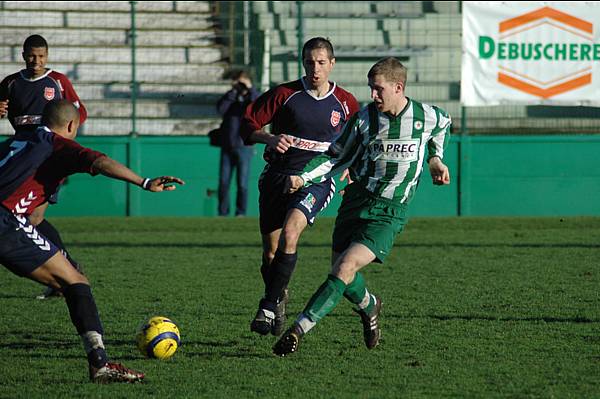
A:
[306,115]
[32,165]
[23,96]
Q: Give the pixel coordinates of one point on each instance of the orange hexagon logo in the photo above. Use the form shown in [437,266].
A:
[568,43]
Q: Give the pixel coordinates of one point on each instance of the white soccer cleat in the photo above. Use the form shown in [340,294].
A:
[114,372]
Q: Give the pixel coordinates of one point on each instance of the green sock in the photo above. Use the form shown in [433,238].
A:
[325,299]
[356,292]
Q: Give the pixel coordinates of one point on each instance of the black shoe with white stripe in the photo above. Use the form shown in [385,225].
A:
[370,322]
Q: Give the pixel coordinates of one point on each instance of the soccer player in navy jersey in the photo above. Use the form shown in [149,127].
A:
[306,115]
[32,165]
[23,96]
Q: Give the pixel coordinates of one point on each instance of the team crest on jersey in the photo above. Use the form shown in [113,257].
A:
[335,118]
[49,93]
[418,125]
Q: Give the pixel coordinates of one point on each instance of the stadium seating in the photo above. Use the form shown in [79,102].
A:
[184,48]
[425,35]
[179,65]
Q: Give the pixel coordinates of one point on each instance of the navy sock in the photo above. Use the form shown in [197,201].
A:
[282,267]
[265,271]
[97,357]
[82,308]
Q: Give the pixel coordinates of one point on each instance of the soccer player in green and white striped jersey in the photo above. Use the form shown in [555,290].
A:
[384,147]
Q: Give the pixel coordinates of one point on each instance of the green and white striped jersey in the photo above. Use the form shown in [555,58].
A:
[385,153]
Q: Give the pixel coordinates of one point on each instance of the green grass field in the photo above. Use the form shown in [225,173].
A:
[473,307]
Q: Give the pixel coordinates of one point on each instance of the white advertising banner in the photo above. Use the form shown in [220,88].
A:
[531,53]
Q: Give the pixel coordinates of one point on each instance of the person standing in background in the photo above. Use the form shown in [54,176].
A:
[235,155]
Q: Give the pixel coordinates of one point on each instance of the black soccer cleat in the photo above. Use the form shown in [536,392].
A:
[289,341]
[370,322]
[280,318]
[263,322]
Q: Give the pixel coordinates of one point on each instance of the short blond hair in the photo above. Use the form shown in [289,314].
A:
[390,68]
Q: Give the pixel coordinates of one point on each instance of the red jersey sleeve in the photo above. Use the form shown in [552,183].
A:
[349,101]
[261,112]
[69,94]
[70,157]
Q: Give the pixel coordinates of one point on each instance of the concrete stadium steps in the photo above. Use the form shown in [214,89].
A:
[149,109]
[199,93]
[429,39]
[329,8]
[144,126]
[326,24]
[402,9]
[106,20]
[122,54]
[441,23]
[109,37]
[446,7]
[153,73]
[346,71]
[338,38]
[151,127]
[145,6]
[426,92]
[335,9]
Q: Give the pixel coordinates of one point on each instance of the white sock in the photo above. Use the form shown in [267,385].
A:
[305,323]
[92,340]
[366,300]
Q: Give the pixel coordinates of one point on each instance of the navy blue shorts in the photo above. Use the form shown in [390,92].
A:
[274,204]
[22,248]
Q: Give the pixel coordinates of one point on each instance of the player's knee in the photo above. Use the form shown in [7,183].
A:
[345,269]
[289,239]
[268,256]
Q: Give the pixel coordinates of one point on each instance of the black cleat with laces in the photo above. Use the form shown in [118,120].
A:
[289,341]
[264,319]
[370,322]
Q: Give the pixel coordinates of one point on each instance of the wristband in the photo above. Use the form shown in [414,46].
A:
[146,184]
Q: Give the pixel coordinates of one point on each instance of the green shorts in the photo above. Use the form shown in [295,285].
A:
[369,220]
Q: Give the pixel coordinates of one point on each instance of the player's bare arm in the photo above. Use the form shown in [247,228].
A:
[280,143]
[439,171]
[111,168]
[3,108]
[293,184]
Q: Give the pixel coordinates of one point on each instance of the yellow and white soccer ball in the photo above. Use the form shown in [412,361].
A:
[158,338]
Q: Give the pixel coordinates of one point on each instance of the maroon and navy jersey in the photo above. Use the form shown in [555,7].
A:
[313,123]
[28,97]
[33,164]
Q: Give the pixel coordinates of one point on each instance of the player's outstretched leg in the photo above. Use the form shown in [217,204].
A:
[50,232]
[320,304]
[84,315]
